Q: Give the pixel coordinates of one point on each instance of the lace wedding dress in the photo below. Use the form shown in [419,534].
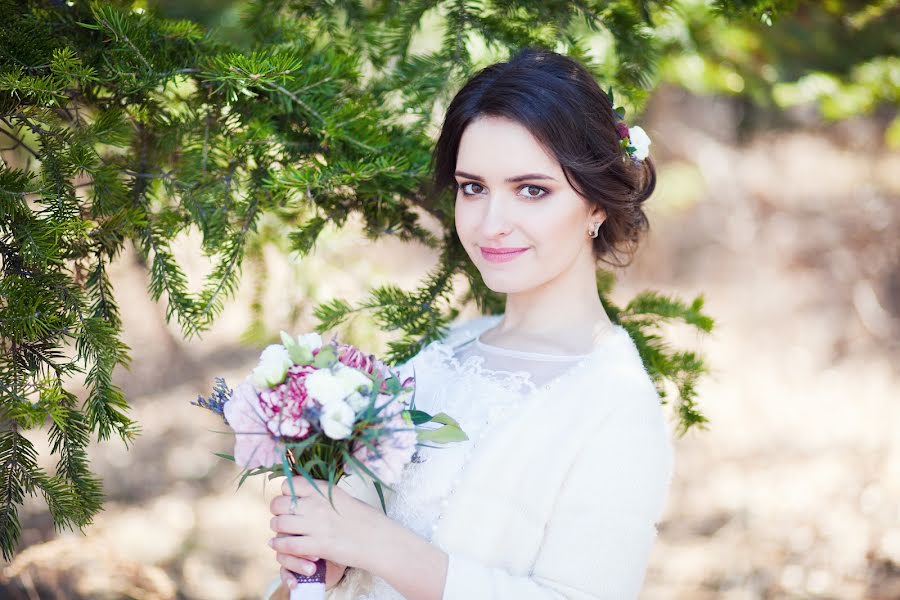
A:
[580,531]
[477,384]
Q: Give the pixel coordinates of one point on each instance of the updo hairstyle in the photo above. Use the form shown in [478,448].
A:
[558,100]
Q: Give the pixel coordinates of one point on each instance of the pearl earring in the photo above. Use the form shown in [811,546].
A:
[594,230]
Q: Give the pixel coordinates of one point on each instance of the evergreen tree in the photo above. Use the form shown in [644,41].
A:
[127,127]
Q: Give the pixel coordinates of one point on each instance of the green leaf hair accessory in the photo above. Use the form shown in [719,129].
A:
[633,140]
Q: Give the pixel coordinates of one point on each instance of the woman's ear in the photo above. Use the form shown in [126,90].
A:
[598,214]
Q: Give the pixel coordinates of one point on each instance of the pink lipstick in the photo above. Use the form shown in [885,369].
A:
[501,255]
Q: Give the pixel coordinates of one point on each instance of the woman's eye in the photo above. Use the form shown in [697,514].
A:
[465,188]
[534,191]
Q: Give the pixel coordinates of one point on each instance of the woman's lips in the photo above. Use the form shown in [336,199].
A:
[501,255]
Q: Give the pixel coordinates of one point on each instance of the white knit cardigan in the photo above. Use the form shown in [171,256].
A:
[564,502]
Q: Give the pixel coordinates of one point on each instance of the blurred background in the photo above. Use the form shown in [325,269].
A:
[778,199]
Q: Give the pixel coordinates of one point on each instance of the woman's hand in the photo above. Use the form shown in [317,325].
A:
[299,564]
[357,535]
[343,535]
[333,574]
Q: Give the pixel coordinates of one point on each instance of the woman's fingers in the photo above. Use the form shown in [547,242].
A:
[295,545]
[287,577]
[281,505]
[296,564]
[310,558]
[289,525]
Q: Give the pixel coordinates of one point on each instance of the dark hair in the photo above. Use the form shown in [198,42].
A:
[558,100]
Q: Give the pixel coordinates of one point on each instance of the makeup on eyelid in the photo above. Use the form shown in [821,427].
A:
[542,191]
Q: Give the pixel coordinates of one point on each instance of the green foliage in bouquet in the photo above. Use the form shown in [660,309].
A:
[124,127]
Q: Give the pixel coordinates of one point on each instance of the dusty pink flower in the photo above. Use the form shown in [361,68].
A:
[253,445]
[393,446]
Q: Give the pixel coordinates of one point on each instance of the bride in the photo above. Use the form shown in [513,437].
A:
[565,475]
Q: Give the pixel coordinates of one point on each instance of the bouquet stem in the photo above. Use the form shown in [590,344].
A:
[310,587]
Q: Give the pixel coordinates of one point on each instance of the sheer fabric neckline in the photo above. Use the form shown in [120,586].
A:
[514,375]
[528,353]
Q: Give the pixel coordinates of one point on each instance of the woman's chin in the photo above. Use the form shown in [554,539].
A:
[504,283]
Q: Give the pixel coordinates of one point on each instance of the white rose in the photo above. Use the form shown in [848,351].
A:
[311,341]
[353,379]
[274,363]
[337,420]
[357,401]
[325,387]
[640,140]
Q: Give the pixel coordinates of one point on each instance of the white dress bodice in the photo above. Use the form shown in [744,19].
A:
[477,384]
[560,486]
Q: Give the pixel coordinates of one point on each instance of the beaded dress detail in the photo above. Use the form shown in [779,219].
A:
[479,385]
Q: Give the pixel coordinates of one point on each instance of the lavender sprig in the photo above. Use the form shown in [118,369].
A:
[216,401]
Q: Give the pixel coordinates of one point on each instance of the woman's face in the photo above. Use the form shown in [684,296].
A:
[518,218]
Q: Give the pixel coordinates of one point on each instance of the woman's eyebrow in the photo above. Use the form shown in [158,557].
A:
[508,179]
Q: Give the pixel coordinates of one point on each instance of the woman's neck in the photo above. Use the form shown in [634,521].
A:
[562,314]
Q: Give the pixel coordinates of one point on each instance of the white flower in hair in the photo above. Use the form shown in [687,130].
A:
[641,142]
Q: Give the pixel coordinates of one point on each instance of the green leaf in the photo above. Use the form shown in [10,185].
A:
[326,357]
[298,353]
[445,419]
[442,435]
[419,416]
[380,491]
[393,385]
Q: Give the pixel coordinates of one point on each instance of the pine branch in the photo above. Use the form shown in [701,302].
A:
[17,477]
[19,142]
[166,129]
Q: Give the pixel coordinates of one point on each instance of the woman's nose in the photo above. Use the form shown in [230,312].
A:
[495,220]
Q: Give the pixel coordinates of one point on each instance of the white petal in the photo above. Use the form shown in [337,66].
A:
[353,378]
[313,341]
[337,420]
[641,142]
[357,401]
[325,387]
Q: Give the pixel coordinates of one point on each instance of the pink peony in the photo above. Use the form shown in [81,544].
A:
[253,446]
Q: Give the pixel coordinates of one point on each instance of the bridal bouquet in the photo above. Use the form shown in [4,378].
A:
[322,411]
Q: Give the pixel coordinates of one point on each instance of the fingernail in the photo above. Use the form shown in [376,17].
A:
[271,543]
[309,570]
